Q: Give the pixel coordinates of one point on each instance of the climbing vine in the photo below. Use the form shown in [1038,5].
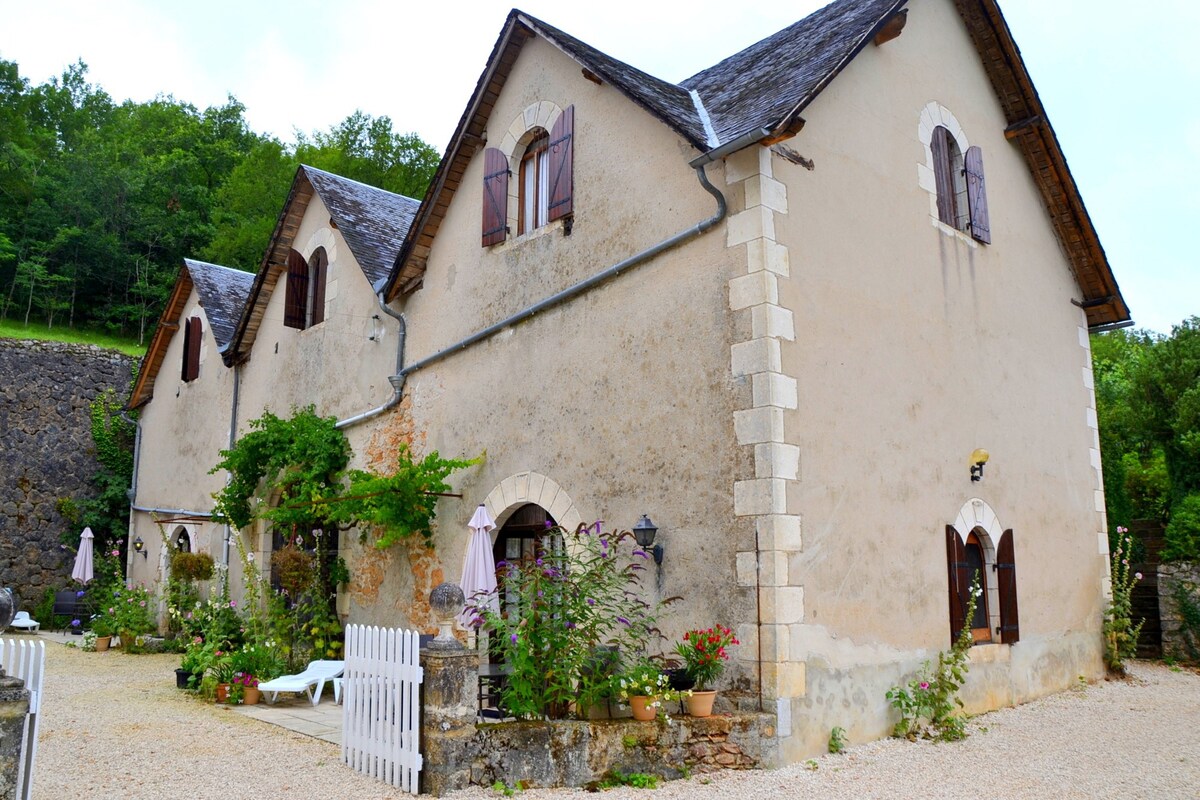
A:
[302,460]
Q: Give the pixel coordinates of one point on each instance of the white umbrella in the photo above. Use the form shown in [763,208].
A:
[479,567]
[83,558]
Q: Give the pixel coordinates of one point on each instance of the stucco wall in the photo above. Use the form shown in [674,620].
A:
[915,345]
[621,399]
[46,453]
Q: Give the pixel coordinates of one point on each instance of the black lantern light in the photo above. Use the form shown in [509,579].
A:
[643,533]
[140,547]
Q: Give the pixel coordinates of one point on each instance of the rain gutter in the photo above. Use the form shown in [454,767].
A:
[586,284]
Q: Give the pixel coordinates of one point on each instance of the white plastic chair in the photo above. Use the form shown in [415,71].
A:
[23,621]
[313,677]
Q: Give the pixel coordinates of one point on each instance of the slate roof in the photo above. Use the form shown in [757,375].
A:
[670,103]
[766,84]
[371,220]
[222,292]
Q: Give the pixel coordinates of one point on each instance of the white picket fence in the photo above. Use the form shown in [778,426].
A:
[381,704]
[26,660]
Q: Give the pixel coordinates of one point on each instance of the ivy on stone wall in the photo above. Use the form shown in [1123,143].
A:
[107,514]
[291,473]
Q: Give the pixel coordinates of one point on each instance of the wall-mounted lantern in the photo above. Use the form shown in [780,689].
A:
[978,458]
[643,533]
[140,547]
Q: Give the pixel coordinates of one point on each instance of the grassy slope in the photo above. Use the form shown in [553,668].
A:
[12,329]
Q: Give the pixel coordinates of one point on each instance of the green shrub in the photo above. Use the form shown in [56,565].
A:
[1182,537]
[191,566]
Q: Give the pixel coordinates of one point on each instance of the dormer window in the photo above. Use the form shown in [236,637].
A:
[304,304]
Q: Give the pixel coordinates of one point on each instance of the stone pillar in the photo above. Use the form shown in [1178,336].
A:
[449,703]
[14,705]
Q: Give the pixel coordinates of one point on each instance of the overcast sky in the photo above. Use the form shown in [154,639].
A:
[1121,82]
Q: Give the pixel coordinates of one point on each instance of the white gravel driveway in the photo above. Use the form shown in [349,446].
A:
[114,726]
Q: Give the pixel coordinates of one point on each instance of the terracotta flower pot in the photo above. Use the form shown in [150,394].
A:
[102,643]
[642,710]
[222,692]
[700,704]
[251,696]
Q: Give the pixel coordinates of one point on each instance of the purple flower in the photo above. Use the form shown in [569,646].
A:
[539,562]
[640,553]
[476,622]
[570,624]
[623,621]
[514,638]
[539,592]
[549,524]
[74,623]
[233,603]
[591,601]
[79,593]
[501,564]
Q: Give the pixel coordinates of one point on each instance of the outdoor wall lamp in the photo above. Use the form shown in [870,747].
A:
[978,459]
[643,533]
[140,547]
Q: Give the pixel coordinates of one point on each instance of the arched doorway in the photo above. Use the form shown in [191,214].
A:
[521,538]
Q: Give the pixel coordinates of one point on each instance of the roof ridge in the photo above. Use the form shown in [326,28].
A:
[336,176]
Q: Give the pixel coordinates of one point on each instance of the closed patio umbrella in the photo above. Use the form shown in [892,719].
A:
[83,559]
[479,567]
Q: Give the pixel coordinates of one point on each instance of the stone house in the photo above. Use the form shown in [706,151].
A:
[778,307]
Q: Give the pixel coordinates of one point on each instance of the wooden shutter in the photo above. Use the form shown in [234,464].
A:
[977,195]
[296,299]
[960,581]
[495,196]
[562,165]
[193,333]
[940,145]
[318,275]
[1006,583]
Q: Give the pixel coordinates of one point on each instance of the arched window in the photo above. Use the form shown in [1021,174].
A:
[953,174]
[193,334]
[183,542]
[951,179]
[304,304]
[978,559]
[980,630]
[534,183]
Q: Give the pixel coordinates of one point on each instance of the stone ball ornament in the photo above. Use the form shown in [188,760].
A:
[446,601]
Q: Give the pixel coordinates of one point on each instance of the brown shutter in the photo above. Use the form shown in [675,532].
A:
[960,581]
[1006,583]
[495,196]
[319,271]
[296,298]
[940,144]
[977,195]
[192,336]
[562,165]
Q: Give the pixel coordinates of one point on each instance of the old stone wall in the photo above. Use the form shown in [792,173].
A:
[1180,640]
[46,452]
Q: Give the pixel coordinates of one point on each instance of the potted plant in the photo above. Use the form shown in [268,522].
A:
[644,688]
[703,654]
[253,663]
[192,665]
[222,671]
[102,626]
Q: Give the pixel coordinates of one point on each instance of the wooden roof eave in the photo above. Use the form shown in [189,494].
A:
[168,323]
[1030,129]
[274,260]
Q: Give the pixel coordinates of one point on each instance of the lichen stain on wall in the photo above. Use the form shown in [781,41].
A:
[427,573]
[368,573]
[390,432]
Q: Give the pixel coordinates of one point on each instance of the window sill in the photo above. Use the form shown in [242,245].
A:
[950,230]
[536,233]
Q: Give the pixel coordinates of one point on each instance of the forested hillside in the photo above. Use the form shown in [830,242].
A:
[99,201]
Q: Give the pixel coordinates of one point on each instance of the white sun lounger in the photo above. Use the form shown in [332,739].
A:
[314,676]
[23,621]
